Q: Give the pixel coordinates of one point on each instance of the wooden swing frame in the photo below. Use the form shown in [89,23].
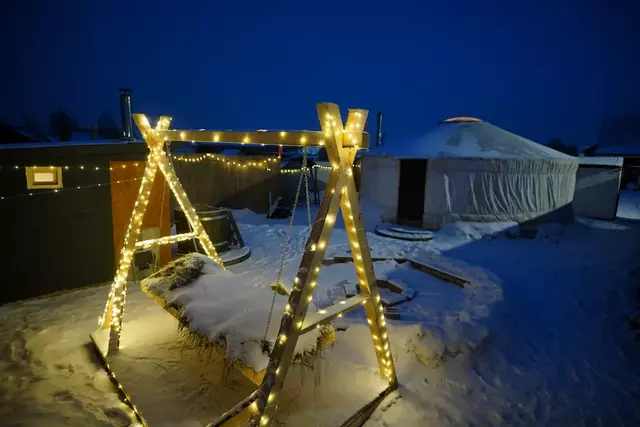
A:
[341,142]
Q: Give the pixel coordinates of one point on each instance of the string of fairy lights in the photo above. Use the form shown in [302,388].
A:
[298,170]
[88,168]
[37,192]
[267,164]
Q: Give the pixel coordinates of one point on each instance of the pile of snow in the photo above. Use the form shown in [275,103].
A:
[220,305]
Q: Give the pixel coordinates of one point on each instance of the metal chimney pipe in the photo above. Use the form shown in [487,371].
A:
[125,113]
[379,130]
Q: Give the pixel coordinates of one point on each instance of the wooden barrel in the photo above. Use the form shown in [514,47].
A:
[215,222]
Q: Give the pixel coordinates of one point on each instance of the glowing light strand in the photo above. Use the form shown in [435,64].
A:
[36,192]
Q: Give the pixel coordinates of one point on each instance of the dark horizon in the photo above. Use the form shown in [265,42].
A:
[540,71]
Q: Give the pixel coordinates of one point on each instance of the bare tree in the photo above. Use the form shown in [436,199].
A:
[61,125]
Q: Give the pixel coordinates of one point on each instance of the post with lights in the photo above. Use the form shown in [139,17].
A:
[157,160]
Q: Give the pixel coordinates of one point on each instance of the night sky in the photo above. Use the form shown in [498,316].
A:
[541,69]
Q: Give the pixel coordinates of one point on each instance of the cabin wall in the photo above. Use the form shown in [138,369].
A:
[58,241]
[597,189]
[211,182]
[55,241]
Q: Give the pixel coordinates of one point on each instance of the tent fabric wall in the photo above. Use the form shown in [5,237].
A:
[597,190]
[380,184]
[476,172]
[488,190]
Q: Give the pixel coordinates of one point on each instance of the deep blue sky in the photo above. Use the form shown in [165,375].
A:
[541,68]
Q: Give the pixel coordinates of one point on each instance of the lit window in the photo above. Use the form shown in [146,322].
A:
[43,177]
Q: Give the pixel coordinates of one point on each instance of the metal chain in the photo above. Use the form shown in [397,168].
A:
[306,172]
[285,246]
[306,189]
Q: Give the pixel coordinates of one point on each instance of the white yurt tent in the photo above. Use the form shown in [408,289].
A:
[466,169]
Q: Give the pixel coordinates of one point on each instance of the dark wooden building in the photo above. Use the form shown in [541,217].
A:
[64,207]
[63,210]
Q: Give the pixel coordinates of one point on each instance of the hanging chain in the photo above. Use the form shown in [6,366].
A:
[307,172]
[285,246]
[306,190]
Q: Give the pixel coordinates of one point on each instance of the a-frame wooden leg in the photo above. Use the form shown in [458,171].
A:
[114,311]
[361,253]
[339,192]
[190,213]
[157,160]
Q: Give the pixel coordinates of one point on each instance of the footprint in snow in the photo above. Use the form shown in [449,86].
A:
[118,415]
[63,396]
[66,368]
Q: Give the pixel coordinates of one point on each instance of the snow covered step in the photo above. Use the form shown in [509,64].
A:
[389,298]
[411,235]
[144,244]
[328,314]
[392,313]
[411,231]
[235,255]
[350,289]
[394,285]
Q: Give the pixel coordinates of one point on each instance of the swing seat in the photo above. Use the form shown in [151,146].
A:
[217,310]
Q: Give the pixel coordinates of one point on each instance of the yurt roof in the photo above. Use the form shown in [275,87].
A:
[467,137]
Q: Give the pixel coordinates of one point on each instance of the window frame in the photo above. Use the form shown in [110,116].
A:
[32,184]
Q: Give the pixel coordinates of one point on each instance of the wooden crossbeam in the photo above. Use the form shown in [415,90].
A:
[144,244]
[324,316]
[356,139]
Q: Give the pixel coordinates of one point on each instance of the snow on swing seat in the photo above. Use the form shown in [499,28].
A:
[218,309]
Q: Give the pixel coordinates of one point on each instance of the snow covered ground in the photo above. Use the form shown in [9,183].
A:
[540,338]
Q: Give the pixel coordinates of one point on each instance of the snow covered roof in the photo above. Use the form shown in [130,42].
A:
[468,139]
[601,161]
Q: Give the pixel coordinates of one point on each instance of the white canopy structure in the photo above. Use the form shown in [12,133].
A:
[470,170]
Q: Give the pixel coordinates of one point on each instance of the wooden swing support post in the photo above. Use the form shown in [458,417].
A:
[342,142]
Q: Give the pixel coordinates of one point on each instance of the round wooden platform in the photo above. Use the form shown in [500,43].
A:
[236,255]
[400,233]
